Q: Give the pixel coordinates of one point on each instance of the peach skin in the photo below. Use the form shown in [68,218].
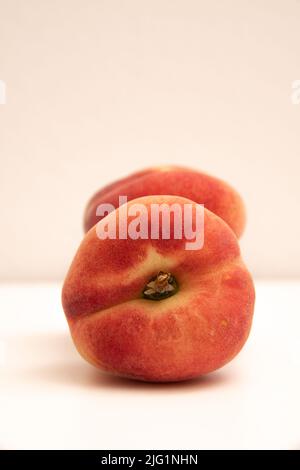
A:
[150,309]
[215,194]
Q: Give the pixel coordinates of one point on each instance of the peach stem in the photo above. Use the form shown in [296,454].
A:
[160,287]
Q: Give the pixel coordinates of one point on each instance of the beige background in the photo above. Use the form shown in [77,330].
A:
[97,89]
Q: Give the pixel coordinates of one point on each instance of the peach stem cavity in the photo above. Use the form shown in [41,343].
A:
[161,286]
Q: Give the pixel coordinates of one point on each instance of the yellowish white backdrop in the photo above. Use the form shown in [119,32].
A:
[98,89]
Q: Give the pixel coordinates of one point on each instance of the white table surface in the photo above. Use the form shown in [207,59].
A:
[51,398]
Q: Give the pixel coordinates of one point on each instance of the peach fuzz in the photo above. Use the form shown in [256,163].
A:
[216,195]
[193,332]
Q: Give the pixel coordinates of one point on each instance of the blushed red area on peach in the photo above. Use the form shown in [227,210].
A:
[215,194]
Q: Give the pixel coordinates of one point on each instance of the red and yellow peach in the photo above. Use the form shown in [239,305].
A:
[109,289]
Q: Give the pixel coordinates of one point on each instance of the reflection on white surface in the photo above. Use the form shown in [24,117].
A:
[50,398]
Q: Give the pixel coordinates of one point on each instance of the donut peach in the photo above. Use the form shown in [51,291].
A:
[152,310]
